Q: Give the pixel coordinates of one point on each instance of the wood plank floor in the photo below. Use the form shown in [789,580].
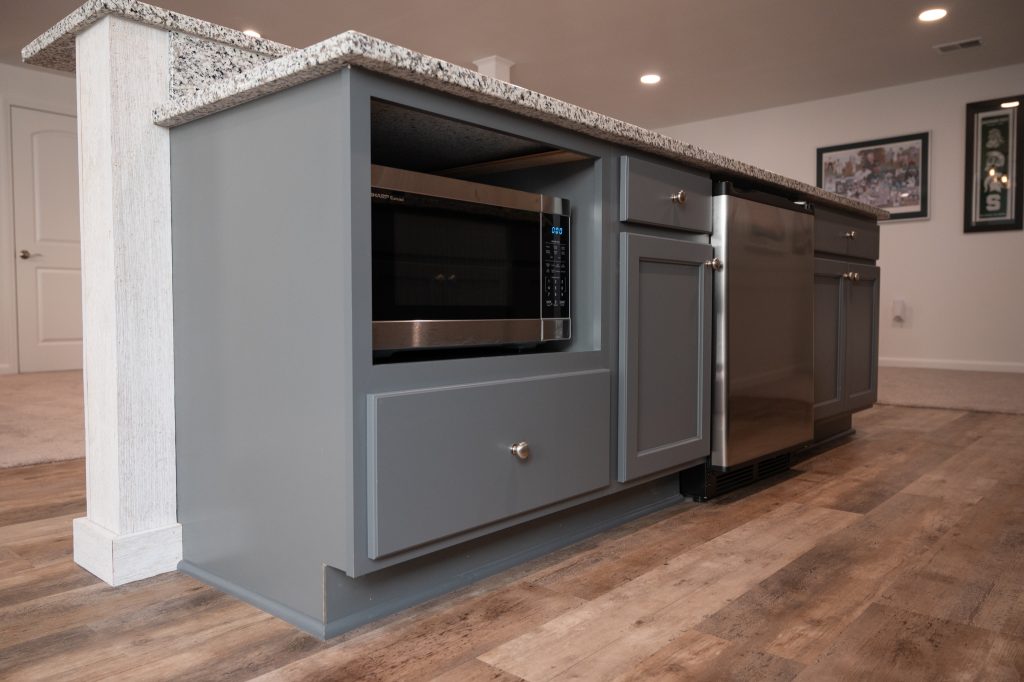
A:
[897,556]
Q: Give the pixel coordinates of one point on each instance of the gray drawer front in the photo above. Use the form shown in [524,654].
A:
[831,229]
[646,191]
[439,460]
[865,242]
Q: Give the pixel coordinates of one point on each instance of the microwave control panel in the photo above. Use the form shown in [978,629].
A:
[555,249]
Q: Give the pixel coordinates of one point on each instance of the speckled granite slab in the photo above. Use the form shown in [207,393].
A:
[197,62]
[357,49]
[55,49]
[210,77]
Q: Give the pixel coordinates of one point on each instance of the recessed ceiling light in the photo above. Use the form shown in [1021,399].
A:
[1010,105]
[650,78]
[932,14]
[251,33]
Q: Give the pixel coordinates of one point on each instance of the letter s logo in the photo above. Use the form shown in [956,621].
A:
[993,203]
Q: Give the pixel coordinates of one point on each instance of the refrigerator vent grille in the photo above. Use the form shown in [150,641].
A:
[772,466]
[958,45]
[703,483]
[731,480]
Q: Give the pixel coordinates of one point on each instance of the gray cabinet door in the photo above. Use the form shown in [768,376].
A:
[829,337]
[861,337]
[665,354]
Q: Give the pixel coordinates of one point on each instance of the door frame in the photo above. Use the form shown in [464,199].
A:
[9,353]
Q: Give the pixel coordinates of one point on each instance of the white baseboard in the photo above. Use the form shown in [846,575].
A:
[119,559]
[968,365]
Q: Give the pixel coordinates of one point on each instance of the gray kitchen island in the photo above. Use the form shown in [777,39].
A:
[330,478]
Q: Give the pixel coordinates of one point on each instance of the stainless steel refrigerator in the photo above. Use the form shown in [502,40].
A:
[763,393]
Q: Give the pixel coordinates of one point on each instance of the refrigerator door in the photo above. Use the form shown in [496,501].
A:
[764,334]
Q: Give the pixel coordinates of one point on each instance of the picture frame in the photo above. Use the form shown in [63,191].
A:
[993,193]
[889,173]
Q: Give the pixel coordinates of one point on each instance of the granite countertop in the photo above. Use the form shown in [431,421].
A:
[55,49]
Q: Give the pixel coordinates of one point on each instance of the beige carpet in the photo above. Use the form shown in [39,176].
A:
[952,389]
[41,418]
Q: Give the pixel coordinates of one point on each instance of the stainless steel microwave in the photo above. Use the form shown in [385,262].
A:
[462,264]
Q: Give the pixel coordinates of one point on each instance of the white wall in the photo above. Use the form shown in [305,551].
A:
[964,292]
[22,87]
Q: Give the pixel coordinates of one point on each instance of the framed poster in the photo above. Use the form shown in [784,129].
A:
[890,174]
[995,153]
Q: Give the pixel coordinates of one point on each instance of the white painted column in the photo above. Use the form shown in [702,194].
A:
[131,530]
[495,67]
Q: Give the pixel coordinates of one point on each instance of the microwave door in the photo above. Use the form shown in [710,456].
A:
[454,275]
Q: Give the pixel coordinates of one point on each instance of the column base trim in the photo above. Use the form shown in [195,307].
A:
[120,559]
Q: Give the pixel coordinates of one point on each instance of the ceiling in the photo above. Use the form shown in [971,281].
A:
[716,58]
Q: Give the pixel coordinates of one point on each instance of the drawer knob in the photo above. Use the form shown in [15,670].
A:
[714,264]
[855,276]
[521,450]
[679,197]
[852,234]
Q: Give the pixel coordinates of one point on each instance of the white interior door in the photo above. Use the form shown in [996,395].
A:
[46,240]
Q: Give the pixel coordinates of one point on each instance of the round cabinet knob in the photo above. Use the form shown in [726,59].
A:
[855,276]
[679,197]
[24,255]
[852,234]
[521,450]
[714,263]
[847,275]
